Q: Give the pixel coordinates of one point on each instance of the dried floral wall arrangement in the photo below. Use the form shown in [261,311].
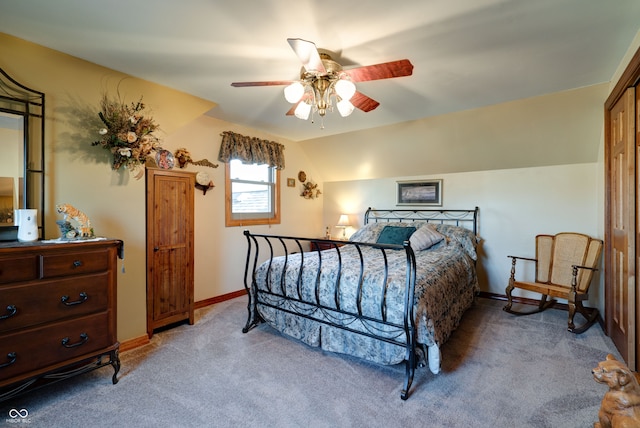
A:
[309,188]
[128,134]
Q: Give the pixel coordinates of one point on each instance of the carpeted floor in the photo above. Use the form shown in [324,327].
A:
[497,371]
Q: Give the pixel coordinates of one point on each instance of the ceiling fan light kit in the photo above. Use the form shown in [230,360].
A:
[317,90]
[323,82]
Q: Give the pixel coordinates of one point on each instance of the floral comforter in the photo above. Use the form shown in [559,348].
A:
[446,284]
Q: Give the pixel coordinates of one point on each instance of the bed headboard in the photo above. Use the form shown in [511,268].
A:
[463,218]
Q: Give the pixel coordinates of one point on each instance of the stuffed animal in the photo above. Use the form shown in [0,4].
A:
[620,406]
[84,225]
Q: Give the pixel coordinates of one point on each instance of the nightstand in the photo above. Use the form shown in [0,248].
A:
[324,245]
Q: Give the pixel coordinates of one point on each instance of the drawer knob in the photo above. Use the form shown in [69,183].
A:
[77,263]
[84,337]
[83,298]
[11,356]
[11,311]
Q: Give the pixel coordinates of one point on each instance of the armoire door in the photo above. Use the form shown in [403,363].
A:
[620,263]
[170,220]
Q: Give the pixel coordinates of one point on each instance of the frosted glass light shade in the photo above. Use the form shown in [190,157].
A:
[345,89]
[345,107]
[293,92]
[302,111]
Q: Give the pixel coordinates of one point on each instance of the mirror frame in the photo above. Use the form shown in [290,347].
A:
[15,98]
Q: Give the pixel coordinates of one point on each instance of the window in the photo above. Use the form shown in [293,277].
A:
[252,194]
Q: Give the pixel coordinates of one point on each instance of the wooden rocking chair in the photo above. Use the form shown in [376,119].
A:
[564,267]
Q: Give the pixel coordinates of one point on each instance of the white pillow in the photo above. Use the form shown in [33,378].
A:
[425,237]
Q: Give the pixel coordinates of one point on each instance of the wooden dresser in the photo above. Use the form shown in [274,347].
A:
[57,312]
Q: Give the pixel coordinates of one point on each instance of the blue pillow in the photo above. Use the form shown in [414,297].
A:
[395,235]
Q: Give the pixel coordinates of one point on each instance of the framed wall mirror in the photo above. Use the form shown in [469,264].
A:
[22,160]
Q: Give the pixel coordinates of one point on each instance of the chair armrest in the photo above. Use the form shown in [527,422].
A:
[574,276]
[523,258]
[512,278]
[576,267]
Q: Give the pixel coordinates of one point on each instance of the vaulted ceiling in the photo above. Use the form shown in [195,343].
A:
[466,53]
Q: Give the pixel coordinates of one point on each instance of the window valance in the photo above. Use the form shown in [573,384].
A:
[251,150]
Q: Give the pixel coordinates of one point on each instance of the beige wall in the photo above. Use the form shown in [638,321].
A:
[556,129]
[79,174]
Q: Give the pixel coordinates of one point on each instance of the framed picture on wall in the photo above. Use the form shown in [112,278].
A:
[419,192]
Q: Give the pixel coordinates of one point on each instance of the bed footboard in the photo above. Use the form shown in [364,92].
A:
[282,288]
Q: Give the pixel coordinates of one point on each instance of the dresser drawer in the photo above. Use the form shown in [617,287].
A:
[38,348]
[16,269]
[74,263]
[36,303]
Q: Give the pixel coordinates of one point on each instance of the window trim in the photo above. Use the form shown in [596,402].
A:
[229,221]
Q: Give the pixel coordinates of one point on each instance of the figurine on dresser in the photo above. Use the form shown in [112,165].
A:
[68,232]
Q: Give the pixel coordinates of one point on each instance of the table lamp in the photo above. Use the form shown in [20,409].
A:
[343,223]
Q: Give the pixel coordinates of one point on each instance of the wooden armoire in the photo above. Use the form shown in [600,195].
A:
[622,213]
[170,235]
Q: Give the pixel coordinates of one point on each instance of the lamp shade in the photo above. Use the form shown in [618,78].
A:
[343,221]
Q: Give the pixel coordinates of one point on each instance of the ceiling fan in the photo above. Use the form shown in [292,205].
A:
[322,81]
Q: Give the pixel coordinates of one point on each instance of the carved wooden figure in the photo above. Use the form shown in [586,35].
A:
[620,406]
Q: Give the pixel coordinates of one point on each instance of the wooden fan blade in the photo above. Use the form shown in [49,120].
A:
[292,110]
[385,70]
[363,102]
[308,54]
[268,83]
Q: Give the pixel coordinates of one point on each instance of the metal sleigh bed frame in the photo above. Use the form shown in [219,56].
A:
[275,295]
